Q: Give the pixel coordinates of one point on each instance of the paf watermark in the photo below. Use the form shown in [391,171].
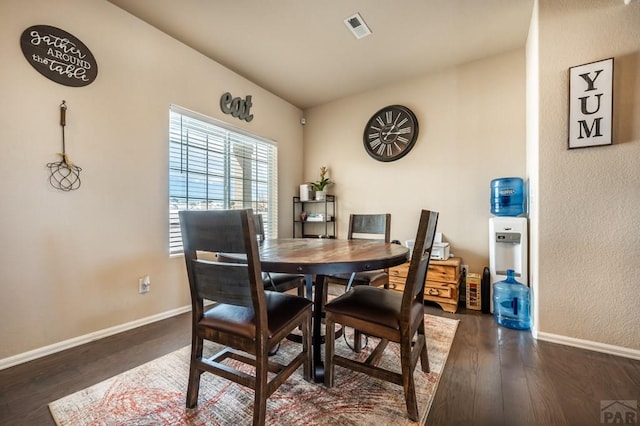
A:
[619,412]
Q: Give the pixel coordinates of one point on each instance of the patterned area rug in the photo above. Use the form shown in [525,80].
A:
[154,393]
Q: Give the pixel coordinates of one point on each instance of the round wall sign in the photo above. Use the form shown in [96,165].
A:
[58,55]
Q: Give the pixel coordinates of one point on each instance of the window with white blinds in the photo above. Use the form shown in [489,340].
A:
[215,166]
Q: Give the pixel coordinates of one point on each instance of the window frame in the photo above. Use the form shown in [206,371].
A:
[206,153]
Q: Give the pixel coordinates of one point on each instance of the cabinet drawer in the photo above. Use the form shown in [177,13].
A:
[397,285]
[398,276]
[435,289]
[399,272]
[443,273]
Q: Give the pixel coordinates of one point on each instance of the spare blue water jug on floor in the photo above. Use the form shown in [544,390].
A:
[511,302]
[507,196]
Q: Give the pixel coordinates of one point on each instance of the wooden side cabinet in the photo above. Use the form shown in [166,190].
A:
[443,281]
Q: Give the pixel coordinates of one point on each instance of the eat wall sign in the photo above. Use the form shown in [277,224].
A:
[237,107]
[58,55]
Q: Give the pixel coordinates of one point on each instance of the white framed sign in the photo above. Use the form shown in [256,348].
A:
[591,104]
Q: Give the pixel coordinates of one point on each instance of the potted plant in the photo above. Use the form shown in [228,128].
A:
[320,186]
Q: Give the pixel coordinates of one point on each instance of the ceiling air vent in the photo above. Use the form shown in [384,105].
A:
[357,26]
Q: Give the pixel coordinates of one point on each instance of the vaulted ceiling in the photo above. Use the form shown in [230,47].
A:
[302,51]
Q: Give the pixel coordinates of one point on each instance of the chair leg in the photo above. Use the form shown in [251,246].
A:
[260,398]
[407,378]
[424,354]
[306,346]
[193,385]
[329,340]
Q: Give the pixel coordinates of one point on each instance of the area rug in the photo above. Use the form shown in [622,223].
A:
[154,393]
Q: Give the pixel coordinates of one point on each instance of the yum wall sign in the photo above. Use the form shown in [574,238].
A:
[591,104]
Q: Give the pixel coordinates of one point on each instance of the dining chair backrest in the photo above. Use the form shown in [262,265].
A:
[370,226]
[226,231]
[417,275]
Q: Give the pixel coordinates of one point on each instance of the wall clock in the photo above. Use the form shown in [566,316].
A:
[390,133]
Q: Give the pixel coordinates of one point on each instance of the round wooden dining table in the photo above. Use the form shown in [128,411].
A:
[322,257]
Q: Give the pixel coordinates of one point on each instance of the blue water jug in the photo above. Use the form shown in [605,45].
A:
[507,196]
[511,303]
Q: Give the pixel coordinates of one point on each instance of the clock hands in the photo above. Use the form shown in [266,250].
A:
[391,132]
[397,132]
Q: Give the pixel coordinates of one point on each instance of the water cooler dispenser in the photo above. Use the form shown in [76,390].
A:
[507,249]
[508,242]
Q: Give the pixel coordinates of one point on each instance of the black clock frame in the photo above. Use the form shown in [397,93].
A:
[371,127]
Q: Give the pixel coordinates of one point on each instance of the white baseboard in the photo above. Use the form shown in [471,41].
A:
[80,340]
[589,345]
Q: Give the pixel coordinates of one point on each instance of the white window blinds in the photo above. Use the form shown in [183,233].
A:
[215,166]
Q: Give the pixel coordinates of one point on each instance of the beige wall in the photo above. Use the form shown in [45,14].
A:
[585,204]
[472,129]
[70,262]
[589,199]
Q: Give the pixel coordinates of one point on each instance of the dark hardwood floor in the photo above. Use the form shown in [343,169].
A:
[498,376]
[493,376]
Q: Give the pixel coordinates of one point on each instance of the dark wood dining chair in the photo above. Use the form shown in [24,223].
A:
[370,227]
[248,320]
[389,315]
[278,281]
[375,227]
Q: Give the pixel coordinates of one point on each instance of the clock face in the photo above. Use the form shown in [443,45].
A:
[390,133]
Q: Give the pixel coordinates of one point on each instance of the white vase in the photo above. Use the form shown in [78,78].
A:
[305,191]
[321,195]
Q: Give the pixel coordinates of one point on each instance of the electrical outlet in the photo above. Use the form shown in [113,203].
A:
[144,284]
[464,270]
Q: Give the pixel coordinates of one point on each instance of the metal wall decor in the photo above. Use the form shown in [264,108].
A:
[237,107]
[58,55]
[65,175]
[591,104]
